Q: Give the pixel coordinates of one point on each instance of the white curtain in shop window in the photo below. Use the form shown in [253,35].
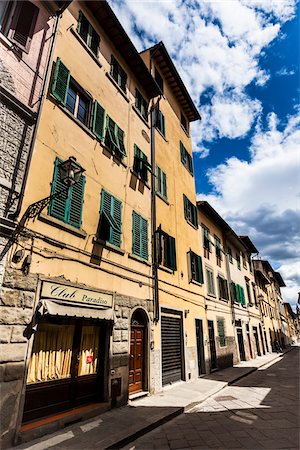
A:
[88,350]
[51,354]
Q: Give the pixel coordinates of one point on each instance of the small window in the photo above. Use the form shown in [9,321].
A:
[141,165]
[229,255]
[88,34]
[190,212]
[18,22]
[67,206]
[206,241]
[223,288]
[184,123]
[110,226]
[195,267]
[78,103]
[161,183]
[248,291]
[165,250]
[254,294]
[159,80]
[244,261]
[114,138]
[210,282]
[118,74]
[141,104]
[238,260]
[250,263]
[160,122]
[139,236]
[218,247]
[237,293]
[221,332]
[186,159]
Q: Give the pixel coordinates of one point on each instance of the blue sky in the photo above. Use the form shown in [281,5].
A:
[239,60]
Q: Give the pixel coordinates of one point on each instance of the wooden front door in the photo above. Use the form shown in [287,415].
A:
[212,345]
[136,362]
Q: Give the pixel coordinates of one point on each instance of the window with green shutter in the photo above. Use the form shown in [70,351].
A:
[195,267]
[210,282]
[98,120]
[190,212]
[165,250]
[161,183]
[67,206]
[141,104]
[223,288]
[61,80]
[114,138]
[141,165]
[160,122]
[118,74]
[139,236]
[88,34]
[186,159]
[110,226]
[221,332]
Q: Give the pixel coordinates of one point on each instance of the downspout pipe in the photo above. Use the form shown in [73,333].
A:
[15,214]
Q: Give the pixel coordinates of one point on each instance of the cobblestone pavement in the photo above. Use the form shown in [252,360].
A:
[261,411]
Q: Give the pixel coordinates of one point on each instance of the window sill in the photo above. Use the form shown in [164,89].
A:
[145,183]
[117,86]
[196,282]
[162,198]
[191,224]
[185,131]
[84,45]
[109,246]
[62,226]
[211,295]
[159,132]
[140,116]
[5,40]
[139,259]
[223,300]
[80,124]
[166,269]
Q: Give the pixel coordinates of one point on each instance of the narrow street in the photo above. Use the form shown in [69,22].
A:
[261,411]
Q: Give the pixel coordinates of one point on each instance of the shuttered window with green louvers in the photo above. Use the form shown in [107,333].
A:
[165,250]
[140,164]
[118,74]
[110,226]
[114,138]
[98,120]
[61,80]
[195,267]
[190,212]
[160,122]
[68,205]
[161,183]
[186,159]
[139,236]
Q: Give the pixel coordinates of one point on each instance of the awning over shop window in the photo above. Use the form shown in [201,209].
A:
[63,309]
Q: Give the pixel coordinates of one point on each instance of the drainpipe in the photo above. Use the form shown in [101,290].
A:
[58,14]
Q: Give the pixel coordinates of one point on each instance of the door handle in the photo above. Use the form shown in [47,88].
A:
[131,356]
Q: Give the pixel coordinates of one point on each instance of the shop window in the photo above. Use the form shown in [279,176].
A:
[139,236]
[186,159]
[118,74]
[218,248]
[210,282]
[141,104]
[110,226]
[165,250]
[190,212]
[68,205]
[159,80]
[88,34]
[18,21]
[161,183]
[206,241]
[88,351]
[160,122]
[70,94]
[114,138]
[141,165]
[221,332]
[195,267]
[223,288]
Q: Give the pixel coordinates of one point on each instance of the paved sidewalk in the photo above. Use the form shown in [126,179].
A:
[119,426]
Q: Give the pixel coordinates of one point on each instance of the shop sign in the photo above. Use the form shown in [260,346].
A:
[76,295]
[89,359]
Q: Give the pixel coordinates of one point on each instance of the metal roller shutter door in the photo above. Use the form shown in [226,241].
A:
[171,332]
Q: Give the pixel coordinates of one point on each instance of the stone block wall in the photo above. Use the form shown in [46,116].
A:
[226,356]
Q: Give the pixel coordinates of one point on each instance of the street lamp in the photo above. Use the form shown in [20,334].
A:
[70,171]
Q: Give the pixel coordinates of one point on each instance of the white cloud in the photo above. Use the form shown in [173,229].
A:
[260,197]
[284,72]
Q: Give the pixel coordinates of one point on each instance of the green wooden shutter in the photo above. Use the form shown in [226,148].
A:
[58,206]
[144,238]
[243,300]
[185,206]
[190,164]
[182,153]
[120,136]
[194,214]
[61,82]
[164,185]
[163,128]
[172,252]
[116,212]
[76,203]
[158,180]
[136,236]
[221,332]
[110,136]
[98,120]
[199,269]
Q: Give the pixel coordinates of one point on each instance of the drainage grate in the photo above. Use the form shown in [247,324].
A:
[225,398]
